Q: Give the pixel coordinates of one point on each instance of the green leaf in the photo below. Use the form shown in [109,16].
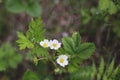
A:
[68,45]
[23,41]
[101,69]
[42,69]
[12,64]
[76,39]
[36,30]
[74,65]
[105,77]
[61,51]
[85,16]
[17,57]
[15,6]
[40,52]
[34,9]
[114,73]
[112,8]
[74,47]
[31,7]
[85,50]
[29,75]
[94,70]
[83,73]
[72,68]
[10,58]
[110,69]
[109,73]
[29,56]
[104,4]
[71,44]
[2,66]
[98,76]
[15,60]
[107,5]
[101,66]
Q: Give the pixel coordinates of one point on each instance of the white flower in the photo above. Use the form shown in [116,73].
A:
[45,43]
[54,44]
[62,60]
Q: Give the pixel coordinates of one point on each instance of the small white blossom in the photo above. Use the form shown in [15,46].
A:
[62,60]
[54,44]
[45,43]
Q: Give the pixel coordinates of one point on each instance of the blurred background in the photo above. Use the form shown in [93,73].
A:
[97,21]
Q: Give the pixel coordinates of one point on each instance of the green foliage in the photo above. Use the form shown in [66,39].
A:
[77,50]
[86,50]
[40,52]
[40,74]
[15,6]
[36,31]
[110,69]
[42,71]
[73,46]
[68,45]
[101,69]
[99,73]
[74,64]
[103,4]
[108,5]
[112,8]
[32,38]
[108,73]
[9,58]
[30,75]
[84,73]
[33,35]
[92,72]
[31,7]
[86,17]
[23,41]
[116,73]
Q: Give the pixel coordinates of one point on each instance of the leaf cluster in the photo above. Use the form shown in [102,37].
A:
[108,5]
[98,73]
[77,50]
[9,58]
[72,46]
[36,31]
[31,7]
[40,74]
[30,75]
[108,72]
[31,39]
[84,73]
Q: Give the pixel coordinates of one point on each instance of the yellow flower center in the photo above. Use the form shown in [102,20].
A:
[45,45]
[54,45]
[62,60]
